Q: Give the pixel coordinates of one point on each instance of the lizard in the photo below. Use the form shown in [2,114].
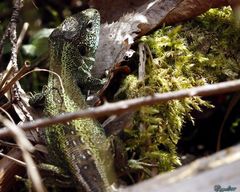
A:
[79,147]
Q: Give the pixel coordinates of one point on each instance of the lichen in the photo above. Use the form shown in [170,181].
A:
[203,50]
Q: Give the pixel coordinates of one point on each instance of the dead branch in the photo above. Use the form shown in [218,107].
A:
[129,105]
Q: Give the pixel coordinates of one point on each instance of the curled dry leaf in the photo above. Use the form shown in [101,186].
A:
[116,38]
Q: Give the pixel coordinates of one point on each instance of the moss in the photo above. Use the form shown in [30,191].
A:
[204,50]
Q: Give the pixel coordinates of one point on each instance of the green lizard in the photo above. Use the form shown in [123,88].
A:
[79,147]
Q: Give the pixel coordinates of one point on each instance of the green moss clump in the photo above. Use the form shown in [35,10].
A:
[204,50]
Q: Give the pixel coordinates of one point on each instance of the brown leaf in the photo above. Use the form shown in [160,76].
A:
[112,10]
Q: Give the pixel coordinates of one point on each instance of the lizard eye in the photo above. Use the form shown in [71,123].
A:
[82,50]
[89,25]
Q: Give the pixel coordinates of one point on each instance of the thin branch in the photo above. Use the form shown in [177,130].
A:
[13,159]
[25,68]
[129,105]
[26,147]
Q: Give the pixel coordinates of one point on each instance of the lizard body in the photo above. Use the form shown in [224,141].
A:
[79,147]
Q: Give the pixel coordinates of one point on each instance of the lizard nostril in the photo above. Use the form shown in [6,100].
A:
[82,50]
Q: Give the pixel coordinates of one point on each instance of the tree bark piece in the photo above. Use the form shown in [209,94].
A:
[218,171]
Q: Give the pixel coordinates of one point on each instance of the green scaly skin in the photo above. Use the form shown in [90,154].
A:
[79,147]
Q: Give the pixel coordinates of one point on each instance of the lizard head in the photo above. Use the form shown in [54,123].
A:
[76,38]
